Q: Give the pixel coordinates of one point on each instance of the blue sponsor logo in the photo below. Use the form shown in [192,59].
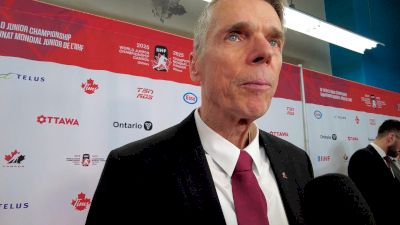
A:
[7,76]
[317,114]
[9,206]
[190,98]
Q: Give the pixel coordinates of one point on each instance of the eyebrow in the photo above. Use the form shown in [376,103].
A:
[273,31]
[238,26]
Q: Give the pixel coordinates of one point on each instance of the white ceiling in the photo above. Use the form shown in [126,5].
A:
[299,49]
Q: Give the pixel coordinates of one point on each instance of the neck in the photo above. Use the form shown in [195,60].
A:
[239,132]
[382,144]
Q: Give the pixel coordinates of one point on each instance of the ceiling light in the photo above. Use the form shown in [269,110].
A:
[303,23]
[306,24]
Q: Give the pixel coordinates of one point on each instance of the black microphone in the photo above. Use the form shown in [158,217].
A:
[333,199]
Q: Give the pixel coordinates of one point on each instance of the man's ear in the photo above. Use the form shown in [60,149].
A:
[194,73]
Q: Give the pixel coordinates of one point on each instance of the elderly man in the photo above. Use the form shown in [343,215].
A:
[216,166]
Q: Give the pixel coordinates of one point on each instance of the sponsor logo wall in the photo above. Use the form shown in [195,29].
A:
[342,118]
[74,86]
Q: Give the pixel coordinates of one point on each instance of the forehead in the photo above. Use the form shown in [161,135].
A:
[257,13]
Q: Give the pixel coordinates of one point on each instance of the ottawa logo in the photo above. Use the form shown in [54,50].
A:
[57,120]
[89,87]
[161,61]
[81,202]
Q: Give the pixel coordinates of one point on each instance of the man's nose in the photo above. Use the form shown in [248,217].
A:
[261,51]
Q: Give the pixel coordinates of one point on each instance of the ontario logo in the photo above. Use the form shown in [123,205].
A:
[161,61]
[328,137]
[190,98]
[57,120]
[81,202]
[145,93]
[146,125]
[14,159]
[89,86]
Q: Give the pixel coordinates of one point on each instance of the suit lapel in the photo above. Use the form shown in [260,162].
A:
[396,171]
[196,181]
[284,174]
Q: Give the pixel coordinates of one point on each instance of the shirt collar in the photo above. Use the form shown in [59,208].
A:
[378,149]
[223,152]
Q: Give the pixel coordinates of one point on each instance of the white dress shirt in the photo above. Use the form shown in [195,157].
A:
[381,153]
[222,156]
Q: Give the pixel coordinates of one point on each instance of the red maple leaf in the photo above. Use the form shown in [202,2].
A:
[9,157]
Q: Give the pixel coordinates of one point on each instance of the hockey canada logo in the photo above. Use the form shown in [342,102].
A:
[89,87]
[14,159]
[57,120]
[81,202]
[161,61]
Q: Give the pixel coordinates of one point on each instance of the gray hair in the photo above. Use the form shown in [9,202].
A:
[204,21]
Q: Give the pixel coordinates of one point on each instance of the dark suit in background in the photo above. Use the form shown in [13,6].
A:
[381,190]
[165,179]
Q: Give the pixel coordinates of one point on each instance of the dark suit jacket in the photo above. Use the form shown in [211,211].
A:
[165,179]
[376,183]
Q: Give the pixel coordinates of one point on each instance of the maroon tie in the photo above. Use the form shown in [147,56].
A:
[249,200]
[388,163]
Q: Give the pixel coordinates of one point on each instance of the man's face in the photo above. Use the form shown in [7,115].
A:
[394,148]
[241,59]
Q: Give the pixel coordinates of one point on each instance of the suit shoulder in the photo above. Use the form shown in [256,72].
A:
[162,143]
[155,141]
[362,153]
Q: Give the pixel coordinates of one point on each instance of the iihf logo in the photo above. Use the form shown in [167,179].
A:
[161,61]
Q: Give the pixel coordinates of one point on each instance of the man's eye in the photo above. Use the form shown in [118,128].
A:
[233,37]
[274,43]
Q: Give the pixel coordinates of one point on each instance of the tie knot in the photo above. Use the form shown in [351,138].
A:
[244,162]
